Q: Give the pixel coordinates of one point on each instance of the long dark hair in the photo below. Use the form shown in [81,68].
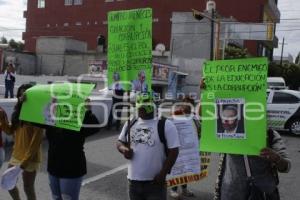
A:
[17,109]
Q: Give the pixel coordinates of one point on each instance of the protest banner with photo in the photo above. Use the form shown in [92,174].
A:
[188,166]
[61,104]
[130,49]
[234,106]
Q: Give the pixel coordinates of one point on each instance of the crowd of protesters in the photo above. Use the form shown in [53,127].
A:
[151,146]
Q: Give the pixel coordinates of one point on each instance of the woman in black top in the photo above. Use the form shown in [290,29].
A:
[66,158]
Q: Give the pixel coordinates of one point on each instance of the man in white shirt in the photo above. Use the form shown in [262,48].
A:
[149,163]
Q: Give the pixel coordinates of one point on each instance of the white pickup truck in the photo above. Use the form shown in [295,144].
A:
[283,110]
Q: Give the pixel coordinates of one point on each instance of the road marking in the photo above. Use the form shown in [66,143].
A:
[103,175]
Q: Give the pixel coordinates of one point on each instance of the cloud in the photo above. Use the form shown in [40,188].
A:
[2,2]
[289,10]
[12,23]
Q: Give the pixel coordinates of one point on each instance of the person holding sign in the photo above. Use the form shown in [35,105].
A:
[66,157]
[243,177]
[150,157]
[117,100]
[66,164]
[239,176]
[184,111]
[26,153]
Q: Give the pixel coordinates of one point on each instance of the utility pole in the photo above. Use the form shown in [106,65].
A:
[282,48]
[212,34]
[211,9]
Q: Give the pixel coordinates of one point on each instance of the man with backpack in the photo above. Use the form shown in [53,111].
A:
[151,145]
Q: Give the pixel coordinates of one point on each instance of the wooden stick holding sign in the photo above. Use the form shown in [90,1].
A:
[128,120]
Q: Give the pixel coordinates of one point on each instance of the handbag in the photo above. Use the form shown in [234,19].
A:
[254,192]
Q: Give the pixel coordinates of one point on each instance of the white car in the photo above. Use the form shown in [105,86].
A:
[283,110]
[276,83]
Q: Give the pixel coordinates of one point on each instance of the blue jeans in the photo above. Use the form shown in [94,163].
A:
[9,88]
[65,188]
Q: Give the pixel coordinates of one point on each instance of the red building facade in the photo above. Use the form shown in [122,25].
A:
[85,20]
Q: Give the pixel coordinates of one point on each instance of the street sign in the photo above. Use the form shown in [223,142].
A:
[248,31]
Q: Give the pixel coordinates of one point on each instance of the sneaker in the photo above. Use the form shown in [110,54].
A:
[174,194]
[187,193]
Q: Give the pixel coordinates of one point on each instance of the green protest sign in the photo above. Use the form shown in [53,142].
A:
[234,106]
[61,105]
[130,49]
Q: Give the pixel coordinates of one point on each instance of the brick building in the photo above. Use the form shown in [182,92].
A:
[85,20]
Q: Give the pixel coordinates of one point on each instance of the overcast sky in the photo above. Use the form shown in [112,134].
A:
[12,23]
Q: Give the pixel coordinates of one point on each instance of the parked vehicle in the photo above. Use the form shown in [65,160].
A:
[276,83]
[283,110]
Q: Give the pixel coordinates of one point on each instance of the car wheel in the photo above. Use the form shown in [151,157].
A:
[294,126]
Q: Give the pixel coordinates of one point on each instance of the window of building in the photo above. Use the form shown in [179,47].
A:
[77,2]
[41,3]
[68,2]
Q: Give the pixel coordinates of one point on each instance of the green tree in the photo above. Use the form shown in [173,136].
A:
[290,73]
[297,61]
[3,40]
[17,46]
[13,44]
[232,52]
[21,46]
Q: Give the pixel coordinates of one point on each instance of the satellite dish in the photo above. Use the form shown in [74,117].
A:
[160,47]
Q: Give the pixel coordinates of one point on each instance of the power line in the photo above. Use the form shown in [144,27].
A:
[238,32]
[292,19]
[183,33]
[289,10]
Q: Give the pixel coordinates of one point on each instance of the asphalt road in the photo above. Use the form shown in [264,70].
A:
[107,173]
